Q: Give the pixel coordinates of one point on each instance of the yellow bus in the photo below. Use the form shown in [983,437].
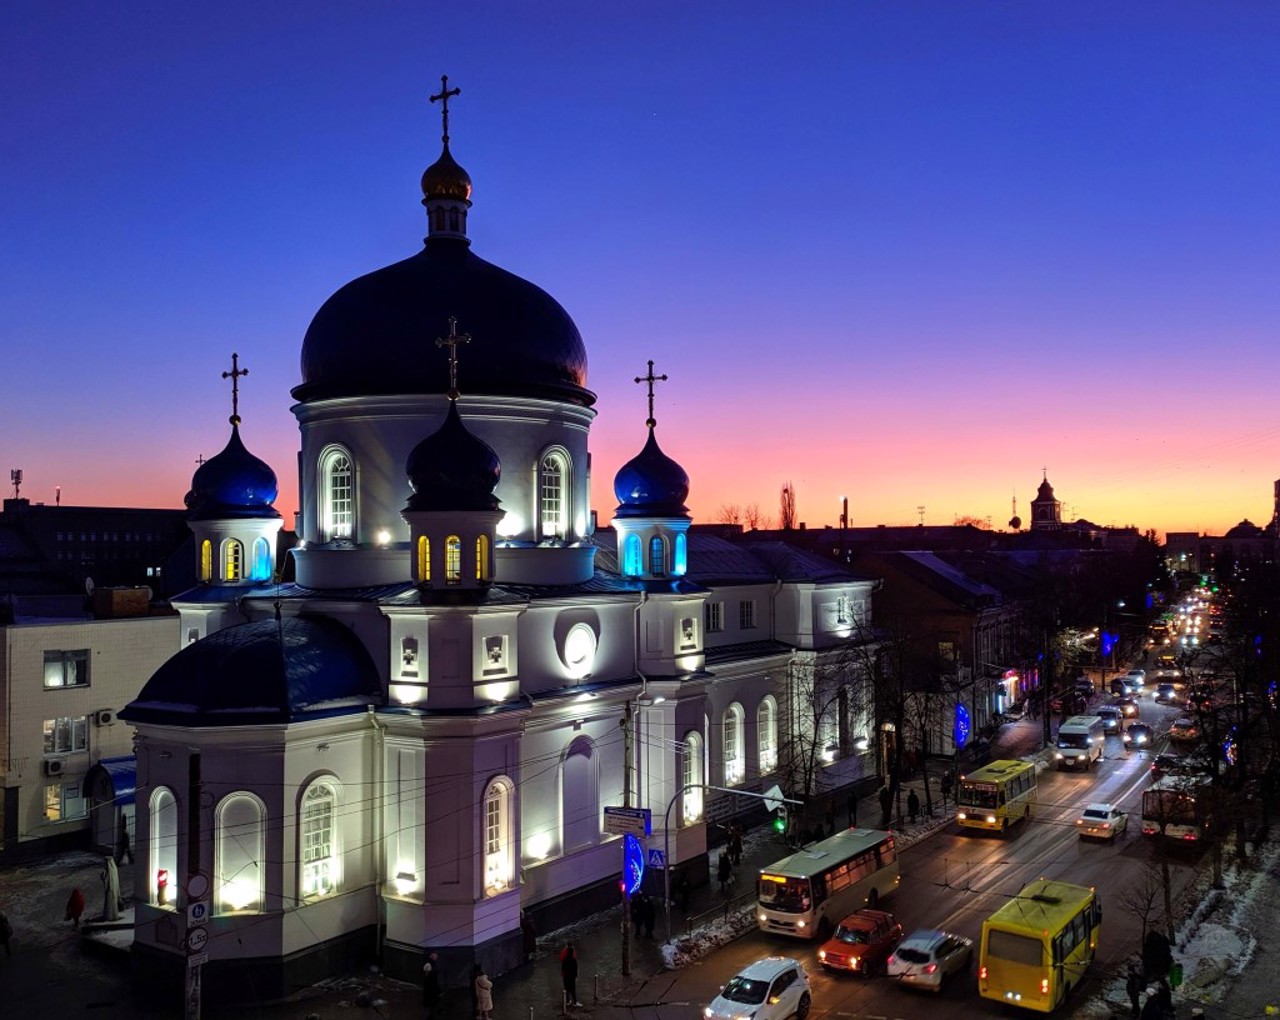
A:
[1036,948]
[997,795]
[808,892]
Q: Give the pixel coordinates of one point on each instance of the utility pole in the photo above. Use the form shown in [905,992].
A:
[628,736]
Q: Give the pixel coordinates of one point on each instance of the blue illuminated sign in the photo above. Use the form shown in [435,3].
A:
[632,864]
[960,732]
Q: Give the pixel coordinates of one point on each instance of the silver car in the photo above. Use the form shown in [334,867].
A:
[769,989]
[928,958]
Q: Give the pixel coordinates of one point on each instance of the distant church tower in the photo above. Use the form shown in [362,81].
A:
[1046,512]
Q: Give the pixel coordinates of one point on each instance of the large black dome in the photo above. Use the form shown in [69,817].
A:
[376,335]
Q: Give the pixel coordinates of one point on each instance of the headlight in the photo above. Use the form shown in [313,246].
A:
[961,815]
[707,1013]
[799,924]
[1058,755]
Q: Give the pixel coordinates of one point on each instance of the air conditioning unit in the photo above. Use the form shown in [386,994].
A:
[54,766]
[105,717]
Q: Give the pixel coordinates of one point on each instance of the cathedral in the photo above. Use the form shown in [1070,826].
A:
[415,741]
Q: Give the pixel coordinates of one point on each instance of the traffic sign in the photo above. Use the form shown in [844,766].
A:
[197,913]
[197,939]
[197,886]
[657,859]
[773,797]
[197,959]
[624,821]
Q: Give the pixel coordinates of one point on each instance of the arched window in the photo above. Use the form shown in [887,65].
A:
[553,488]
[631,565]
[424,559]
[657,556]
[439,218]
[453,219]
[318,831]
[261,560]
[206,560]
[732,752]
[482,558]
[162,867]
[337,495]
[452,559]
[767,733]
[232,560]
[580,796]
[680,562]
[498,869]
[238,853]
[692,773]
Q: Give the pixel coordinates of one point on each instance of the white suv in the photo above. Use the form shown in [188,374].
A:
[770,989]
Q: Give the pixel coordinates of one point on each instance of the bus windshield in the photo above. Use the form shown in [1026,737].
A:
[1078,740]
[979,795]
[786,894]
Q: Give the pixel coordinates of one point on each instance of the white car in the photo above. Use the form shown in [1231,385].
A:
[1102,821]
[770,989]
[927,958]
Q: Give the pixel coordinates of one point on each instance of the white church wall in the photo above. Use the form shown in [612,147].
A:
[550,660]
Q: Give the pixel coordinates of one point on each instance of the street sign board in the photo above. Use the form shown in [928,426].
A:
[197,959]
[197,886]
[623,821]
[657,859]
[773,797]
[197,913]
[197,939]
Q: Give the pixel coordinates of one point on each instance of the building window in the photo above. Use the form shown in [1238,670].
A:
[238,853]
[337,496]
[261,560]
[232,560]
[657,556]
[319,841]
[715,617]
[498,870]
[631,565]
[66,735]
[767,734]
[735,763]
[747,614]
[842,611]
[66,669]
[552,486]
[452,559]
[206,560]
[64,802]
[680,563]
[424,559]
[692,775]
[482,558]
[162,868]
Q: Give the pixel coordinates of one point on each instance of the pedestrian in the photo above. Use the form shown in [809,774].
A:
[851,803]
[430,983]
[886,806]
[528,935]
[75,907]
[1151,1008]
[724,871]
[484,994]
[1164,995]
[913,806]
[569,975]
[637,912]
[6,933]
[946,787]
[735,844]
[650,916]
[1133,985]
[123,849]
[682,890]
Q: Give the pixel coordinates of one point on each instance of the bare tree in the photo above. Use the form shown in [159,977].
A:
[753,518]
[1145,898]
[812,722]
[729,513]
[978,522]
[787,508]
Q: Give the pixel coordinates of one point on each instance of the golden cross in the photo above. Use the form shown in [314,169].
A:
[443,100]
[651,379]
[234,375]
[451,341]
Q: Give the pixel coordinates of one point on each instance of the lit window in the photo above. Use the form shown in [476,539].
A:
[692,775]
[238,850]
[552,484]
[452,559]
[64,802]
[657,556]
[261,560]
[206,560]
[735,765]
[767,728]
[747,614]
[232,560]
[680,563]
[482,558]
[337,496]
[424,559]
[66,735]
[715,616]
[319,854]
[66,669]
[631,566]
[162,867]
[497,837]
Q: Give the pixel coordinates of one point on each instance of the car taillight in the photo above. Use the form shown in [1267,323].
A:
[1044,986]
[931,968]
[892,959]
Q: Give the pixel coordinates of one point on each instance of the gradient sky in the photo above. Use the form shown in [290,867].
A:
[904,252]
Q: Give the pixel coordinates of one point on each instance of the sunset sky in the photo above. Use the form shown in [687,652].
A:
[909,253]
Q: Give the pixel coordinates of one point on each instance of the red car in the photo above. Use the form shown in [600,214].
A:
[862,943]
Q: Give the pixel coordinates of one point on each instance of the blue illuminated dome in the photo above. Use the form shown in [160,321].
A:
[453,470]
[651,484]
[233,484]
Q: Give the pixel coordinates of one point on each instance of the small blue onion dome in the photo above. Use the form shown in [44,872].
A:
[651,484]
[233,484]
[452,469]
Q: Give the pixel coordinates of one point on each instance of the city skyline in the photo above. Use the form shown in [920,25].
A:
[986,241]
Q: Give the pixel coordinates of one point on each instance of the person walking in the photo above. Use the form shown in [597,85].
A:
[75,907]
[123,849]
[851,804]
[724,871]
[430,984]
[476,972]
[1164,996]
[1133,985]
[650,916]
[569,975]
[886,806]
[946,787]
[484,994]
[637,912]
[1151,1008]
[528,935]
[6,933]
[735,844]
[913,806]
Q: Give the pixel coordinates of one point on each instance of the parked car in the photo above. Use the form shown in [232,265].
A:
[1166,764]
[927,958]
[770,989]
[1200,700]
[1110,716]
[1139,735]
[1128,707]
[1102,821]
[1084,687]
[1166,693]
[862,942]
[1184,730]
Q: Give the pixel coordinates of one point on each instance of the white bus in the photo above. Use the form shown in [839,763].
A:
[810,891]
[1080,742]
[1178,807]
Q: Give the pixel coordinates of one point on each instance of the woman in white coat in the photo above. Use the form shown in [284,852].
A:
[484,995]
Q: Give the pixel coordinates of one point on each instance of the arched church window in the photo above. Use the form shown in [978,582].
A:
[318,830]
[439,218]
[232,560]
[238,853]
[424,559]
[337,495]
[206,560]
[162,867]
[498,869]
[453,220]
[261,560]
[580,795]
[680,562]
[482,558]
[657,556]
[732,750]
[452,559]
[631,565]
[553,488]
[692,774]
[767,733]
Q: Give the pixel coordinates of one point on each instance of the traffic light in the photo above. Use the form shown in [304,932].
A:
[780,819]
